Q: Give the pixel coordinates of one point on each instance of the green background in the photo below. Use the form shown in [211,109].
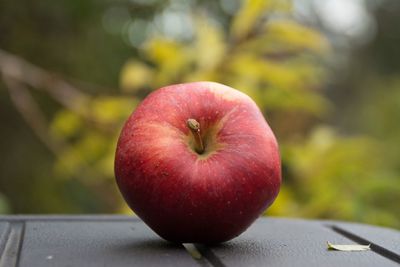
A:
[72,72]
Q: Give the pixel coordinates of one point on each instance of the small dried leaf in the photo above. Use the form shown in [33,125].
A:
[192,250]
[348,247]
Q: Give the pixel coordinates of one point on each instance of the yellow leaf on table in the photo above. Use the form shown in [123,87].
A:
[355,247]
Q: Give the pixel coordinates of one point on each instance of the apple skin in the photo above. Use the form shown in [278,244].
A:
[186,197]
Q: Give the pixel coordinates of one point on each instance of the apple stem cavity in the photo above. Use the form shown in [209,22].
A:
[194,127]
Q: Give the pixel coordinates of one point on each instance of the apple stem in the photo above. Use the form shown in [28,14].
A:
[194,127]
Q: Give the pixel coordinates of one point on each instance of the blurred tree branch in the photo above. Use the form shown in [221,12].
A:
[30,111]
[19,76]
[17,69]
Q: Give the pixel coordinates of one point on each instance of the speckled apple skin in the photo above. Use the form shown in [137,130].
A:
[189,198]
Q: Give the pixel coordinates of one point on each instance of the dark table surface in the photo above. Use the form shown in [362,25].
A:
[127,241]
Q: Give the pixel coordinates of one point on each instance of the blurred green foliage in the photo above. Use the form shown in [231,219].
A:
[263,51]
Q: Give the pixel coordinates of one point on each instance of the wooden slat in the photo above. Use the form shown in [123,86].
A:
[283,242]
[126,241]
[91,243]
[5,230]
[12,244]
[384,237]
[383,241]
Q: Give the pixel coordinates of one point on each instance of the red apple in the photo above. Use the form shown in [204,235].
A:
[197,162]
